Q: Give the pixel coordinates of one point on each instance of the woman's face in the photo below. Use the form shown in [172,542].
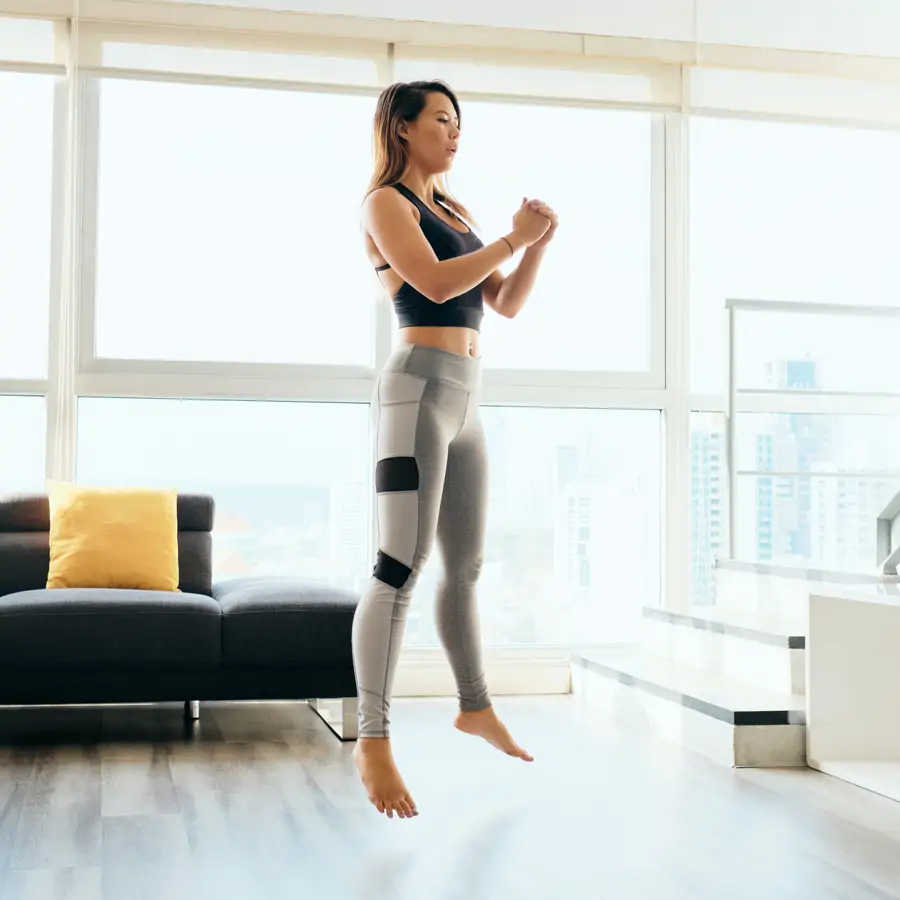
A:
[434,136]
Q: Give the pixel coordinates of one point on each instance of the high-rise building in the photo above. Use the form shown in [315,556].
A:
[843,513]
[708,509]
[794,443]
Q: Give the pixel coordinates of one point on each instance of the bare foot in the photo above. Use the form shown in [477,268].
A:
[388,793]
[484,723]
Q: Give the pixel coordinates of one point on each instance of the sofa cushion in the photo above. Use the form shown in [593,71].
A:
[112,537]
[283,622]
[87,627]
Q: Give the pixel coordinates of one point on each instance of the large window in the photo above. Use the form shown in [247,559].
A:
[229,321]
[799,213]
[229,225]
[573,547]
[591,308]
[26,182]
[793,213]
[22,444]
[290,480]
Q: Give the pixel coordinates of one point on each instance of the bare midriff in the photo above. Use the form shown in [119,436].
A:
[464,341]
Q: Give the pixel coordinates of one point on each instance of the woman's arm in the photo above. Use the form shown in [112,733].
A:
[390,221]
[507,294]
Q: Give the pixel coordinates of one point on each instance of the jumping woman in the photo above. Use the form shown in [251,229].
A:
[431,462]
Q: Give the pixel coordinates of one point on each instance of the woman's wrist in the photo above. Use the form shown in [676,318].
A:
[514,242]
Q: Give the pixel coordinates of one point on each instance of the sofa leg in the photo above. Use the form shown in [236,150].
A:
[192,709]
[339,715]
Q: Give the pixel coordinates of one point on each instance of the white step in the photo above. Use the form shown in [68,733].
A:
[725,720]
[765,652]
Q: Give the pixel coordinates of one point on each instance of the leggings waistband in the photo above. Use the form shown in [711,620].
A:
[434,362]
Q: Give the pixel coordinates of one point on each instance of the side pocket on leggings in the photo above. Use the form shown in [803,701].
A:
[397,476]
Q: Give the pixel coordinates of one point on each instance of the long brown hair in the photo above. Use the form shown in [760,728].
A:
[402,102]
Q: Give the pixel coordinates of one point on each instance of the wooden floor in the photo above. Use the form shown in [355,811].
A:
[261,801]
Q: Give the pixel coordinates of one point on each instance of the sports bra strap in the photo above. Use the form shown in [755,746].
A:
[406,192]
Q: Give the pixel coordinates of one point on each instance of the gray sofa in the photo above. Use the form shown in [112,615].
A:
[242,639]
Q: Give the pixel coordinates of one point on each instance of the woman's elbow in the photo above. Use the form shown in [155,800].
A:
[507,311]
[436,292]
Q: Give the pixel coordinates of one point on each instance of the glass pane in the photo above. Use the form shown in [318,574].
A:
[23,429]
[771,221]
[590,306]
[229,225]
[802,442]
[820,353]
[290,480]
[26,182]
[826,522]
[709,503]
[573,543]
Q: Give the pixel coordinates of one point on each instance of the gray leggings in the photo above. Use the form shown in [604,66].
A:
[430,481]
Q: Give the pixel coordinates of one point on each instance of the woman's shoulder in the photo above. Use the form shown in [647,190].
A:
[386,195]
[386,201]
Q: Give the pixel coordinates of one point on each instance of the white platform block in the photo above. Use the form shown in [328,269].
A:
[853,679]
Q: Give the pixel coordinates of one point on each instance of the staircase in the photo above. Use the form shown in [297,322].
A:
[727,681]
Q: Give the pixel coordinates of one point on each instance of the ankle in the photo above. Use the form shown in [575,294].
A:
[374,745]
[477,712]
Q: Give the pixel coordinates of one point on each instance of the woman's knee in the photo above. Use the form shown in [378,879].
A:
[464,570]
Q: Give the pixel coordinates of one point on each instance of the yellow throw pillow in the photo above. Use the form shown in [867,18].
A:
[113,537]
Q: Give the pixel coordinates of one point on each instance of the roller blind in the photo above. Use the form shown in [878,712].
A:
[828,98]
[180,51]
[27,40]
[552,76]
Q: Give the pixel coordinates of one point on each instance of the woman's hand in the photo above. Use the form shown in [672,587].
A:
[529,224]
[544,210]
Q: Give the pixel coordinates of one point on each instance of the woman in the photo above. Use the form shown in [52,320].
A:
[430,475]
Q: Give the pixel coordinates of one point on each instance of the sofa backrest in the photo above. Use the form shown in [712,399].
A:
[25,542]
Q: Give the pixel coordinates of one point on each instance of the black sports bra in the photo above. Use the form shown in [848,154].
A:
[413,308]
